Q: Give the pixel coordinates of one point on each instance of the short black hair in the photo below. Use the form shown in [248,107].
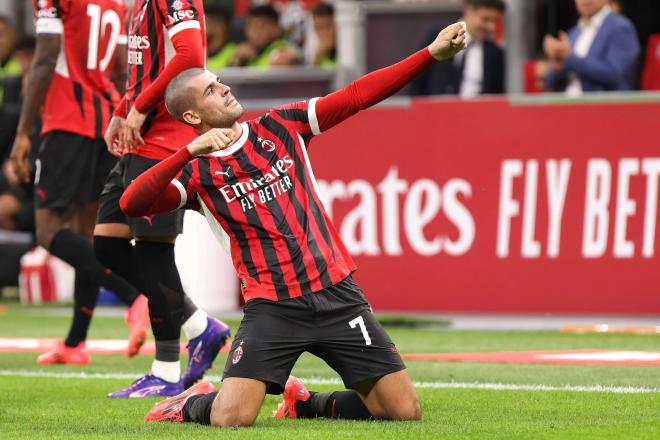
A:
[265,11]
[323,10]
[492,4]
[219,12]
[178,96]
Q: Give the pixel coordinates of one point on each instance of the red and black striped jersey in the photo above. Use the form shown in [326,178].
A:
[81,96]
[151,26]
[262,193]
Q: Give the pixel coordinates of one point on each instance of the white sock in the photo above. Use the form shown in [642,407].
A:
[169,371]
[195,325]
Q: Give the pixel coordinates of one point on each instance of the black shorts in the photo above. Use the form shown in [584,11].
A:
[335,324]
[70,170]
[127,169]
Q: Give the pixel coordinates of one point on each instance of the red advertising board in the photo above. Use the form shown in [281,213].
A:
[493,206]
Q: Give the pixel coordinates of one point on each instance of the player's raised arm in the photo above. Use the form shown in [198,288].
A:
[380,84]
[154,192]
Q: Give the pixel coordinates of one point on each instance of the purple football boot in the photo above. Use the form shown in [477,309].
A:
[203,349]
[149,386]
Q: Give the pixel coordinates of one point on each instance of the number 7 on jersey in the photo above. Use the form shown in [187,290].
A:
[359,321]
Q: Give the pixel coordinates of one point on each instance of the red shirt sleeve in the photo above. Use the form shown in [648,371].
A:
[330,110]
[189,49]
[155,190]
[49,15]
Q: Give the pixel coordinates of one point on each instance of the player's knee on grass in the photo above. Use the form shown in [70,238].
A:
[238,403]
[408,408]
[230,416]
[392,397]
[405,408]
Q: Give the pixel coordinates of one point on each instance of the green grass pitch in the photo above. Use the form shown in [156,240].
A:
[57,407]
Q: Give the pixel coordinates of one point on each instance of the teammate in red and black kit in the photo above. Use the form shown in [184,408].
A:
[165,37]
[253,181]
[80,49]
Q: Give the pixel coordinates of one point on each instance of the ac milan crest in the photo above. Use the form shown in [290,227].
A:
[237,355]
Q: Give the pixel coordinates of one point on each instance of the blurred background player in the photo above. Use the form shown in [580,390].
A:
[263,45]
[70,77]
[143,133]
[598,54]
[475,71]
[220,48]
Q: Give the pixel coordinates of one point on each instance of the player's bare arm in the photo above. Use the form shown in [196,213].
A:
[38,81]
[114,136]
[132,126]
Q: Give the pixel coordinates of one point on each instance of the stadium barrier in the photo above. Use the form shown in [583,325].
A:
[525,205]
[522,205]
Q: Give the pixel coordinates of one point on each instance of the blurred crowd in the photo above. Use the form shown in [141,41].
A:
[584,46]
[288,34]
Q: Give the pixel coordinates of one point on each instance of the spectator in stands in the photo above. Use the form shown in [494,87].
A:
[263,45]
[220,48]
[598,54]
[475,71]
[8,64]
[323,17]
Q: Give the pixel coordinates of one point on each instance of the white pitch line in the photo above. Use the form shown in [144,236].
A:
[329,381]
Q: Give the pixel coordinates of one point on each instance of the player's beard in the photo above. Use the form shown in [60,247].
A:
[222,117]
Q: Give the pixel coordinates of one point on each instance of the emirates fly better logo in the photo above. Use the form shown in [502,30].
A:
[267,188]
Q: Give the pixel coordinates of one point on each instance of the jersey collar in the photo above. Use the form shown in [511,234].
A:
[233,148]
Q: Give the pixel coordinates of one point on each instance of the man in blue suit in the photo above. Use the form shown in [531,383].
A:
[598,54]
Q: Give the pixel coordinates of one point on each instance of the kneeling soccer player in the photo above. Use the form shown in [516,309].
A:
[253,182]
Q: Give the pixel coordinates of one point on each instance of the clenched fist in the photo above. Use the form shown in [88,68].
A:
[449,42]
[213,140]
